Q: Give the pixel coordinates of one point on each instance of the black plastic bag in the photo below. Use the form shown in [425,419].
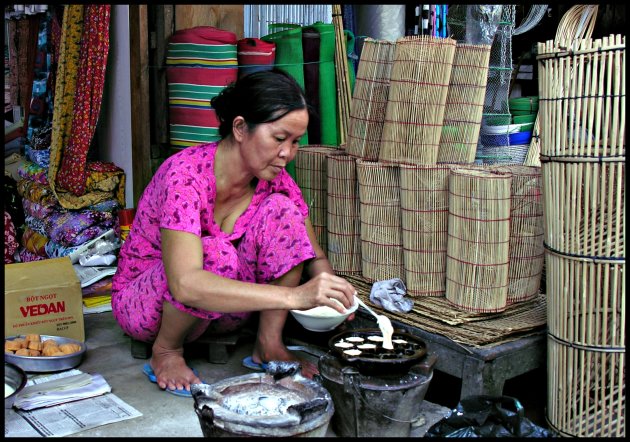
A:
[487,416]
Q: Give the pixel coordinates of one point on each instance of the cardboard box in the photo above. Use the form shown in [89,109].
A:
[43,297]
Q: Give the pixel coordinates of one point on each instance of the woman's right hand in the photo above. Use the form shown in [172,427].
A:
[321,290]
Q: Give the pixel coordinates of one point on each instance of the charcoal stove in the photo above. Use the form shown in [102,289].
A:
[377,392]
[277,403]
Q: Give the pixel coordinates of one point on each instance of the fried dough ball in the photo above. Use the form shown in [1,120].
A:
[23,352]
[35,345]
[49,342]
[58,353]
[12,345]
[69,348]
[50,350]
[34,352]
[33,337]
[23,343]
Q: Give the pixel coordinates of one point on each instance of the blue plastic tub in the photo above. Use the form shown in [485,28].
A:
[520,138]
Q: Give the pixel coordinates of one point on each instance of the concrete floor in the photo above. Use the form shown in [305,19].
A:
[163,414]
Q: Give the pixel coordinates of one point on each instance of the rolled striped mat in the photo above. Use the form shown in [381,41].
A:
[255,55]
[200,62]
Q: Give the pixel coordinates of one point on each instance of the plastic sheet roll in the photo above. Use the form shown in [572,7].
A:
[327,83]
[310,44]
[381,22]
[290,58]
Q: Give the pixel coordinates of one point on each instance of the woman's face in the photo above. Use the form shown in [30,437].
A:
[269,147]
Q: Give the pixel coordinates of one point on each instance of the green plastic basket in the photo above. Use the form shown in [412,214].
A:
[528,118]
[519,105]
[520,113]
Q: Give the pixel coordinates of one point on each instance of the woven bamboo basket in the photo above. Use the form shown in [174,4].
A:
[464,104]
[417,99]
[527,252]
[583,146]
[477,262]
[576,25]
[582,98]
[369,99]
[344,226]
[582,112]
[381,230]
[584,208]
[312,177]
[424,210]
[586,347]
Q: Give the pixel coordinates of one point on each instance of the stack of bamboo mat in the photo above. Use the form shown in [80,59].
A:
[467,236]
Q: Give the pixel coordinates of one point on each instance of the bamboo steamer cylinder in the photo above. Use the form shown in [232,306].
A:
[586,347]
[381,230]
[582,113]
[424,210]
[477,262]
[527,251]
[464,104]
[417,98]
[584,208]
[582,99]
[312,177]
[369,99]
[344,226]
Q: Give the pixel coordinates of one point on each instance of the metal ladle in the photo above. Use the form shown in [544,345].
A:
[383,323]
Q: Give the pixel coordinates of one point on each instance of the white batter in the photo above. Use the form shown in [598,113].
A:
[388,330]
[354,339]
[352,352]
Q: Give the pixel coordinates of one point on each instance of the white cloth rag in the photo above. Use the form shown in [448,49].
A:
[389,294]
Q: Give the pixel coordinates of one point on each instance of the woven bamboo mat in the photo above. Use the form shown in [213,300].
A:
[437,315]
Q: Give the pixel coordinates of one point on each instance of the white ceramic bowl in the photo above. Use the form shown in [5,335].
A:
[322,318]
[15,379]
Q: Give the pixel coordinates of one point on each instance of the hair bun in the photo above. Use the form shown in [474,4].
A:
[221,102]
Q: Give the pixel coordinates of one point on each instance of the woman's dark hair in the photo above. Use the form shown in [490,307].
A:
[259,97]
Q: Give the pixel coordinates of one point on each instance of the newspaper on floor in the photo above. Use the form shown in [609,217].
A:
[34,378]
[65,419]
[61,390]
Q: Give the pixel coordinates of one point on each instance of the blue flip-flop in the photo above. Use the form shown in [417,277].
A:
[146,369]
[249,363]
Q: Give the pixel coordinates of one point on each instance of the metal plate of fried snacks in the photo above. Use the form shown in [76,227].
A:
[46,364]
